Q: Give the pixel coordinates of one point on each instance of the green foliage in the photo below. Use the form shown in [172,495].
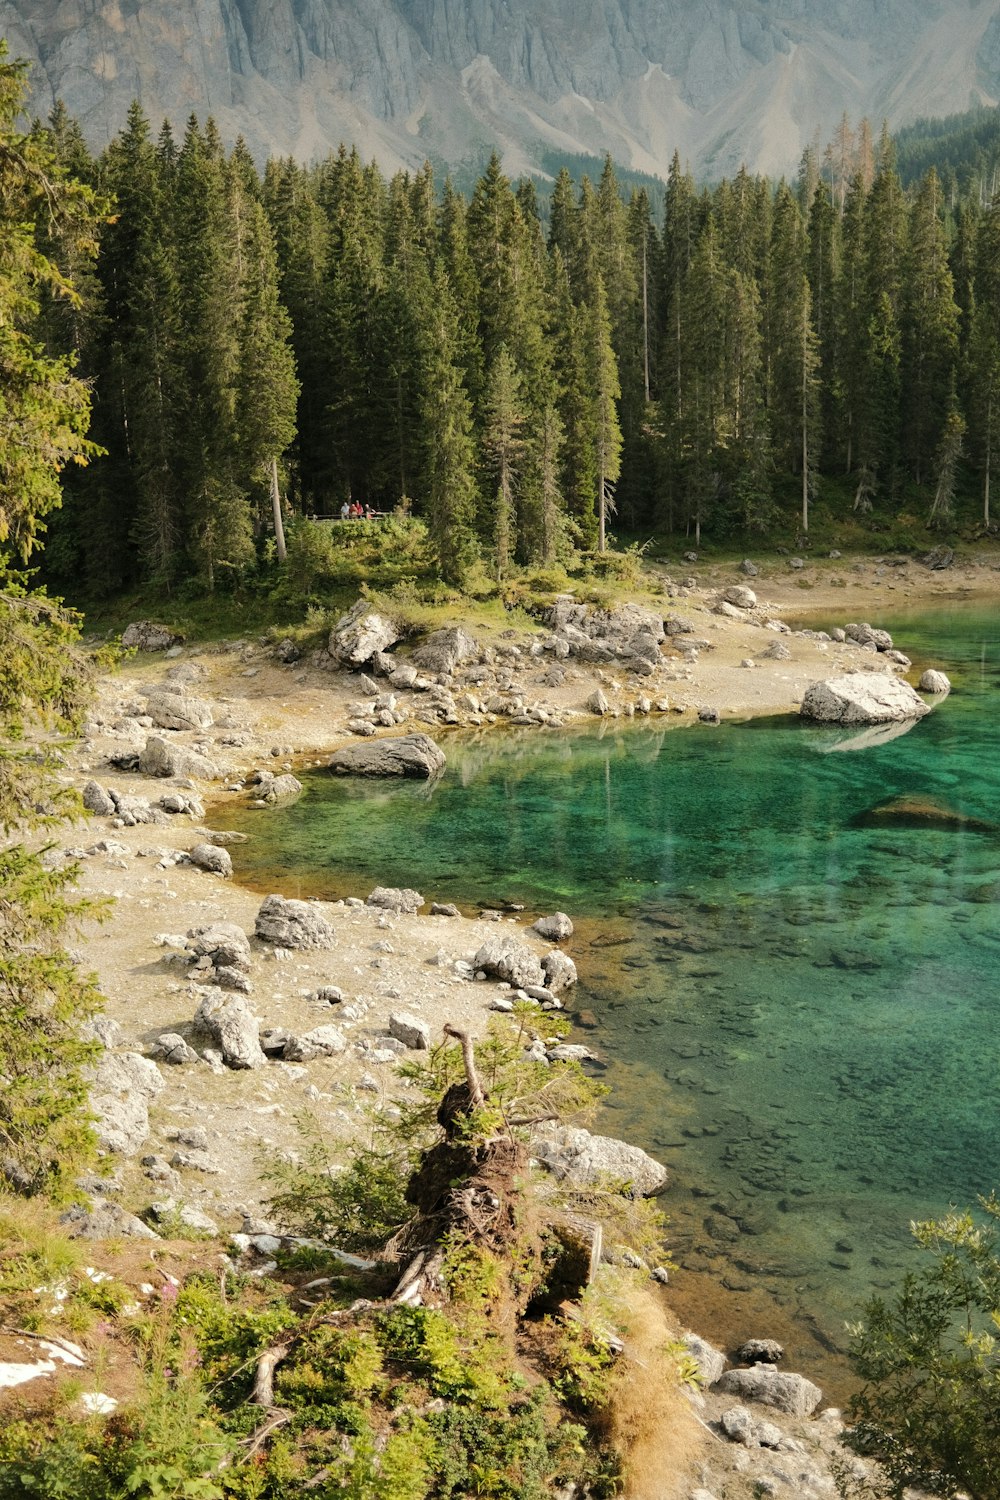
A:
[930,1360]
[358,1207]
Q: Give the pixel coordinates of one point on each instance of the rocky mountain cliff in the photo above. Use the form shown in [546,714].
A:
[721,81]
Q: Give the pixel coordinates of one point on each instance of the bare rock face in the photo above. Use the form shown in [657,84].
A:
[413,1032]
[359,634]
[145,635]
[293,924]
[581,1159]
[412,755]
[232,1025]
[445,650]
[862,698]
[792,1394]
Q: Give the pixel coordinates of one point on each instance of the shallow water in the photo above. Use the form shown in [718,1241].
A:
[797,1008]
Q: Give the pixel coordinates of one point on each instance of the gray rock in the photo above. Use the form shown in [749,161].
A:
[170,1047]
[741,597]
[559,970]
[287,651]
[322,1041]
[393,898]
[158,758]
[778,652]
[938,558]
[739,1426]
[599,703]
[188,1217]
[750,569]
[134,810]
[410,1030]
[862,698]
[792,1394]
[230,1022]
[410,755]
[105,1221]
[213,859]
[554,928]
[103,1029]
[709,716]
[769,1435]
[760,1352]
[293,924]
[359,634]
[179,803]
[934,682]
[505,956]
[122,1087]
[144,635]
[868,635]
[224,943]
[283,789]
[97,801]
[710,1361]
[170,710]
[580,1159]
[445,650]
[444,909]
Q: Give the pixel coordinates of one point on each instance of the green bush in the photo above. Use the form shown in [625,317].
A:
[930,1360]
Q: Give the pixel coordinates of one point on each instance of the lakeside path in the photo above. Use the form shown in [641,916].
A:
[270,716]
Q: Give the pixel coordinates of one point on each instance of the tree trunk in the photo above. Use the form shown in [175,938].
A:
[805,433]
[279,529]
[645,315]
[601,505]
[989,458]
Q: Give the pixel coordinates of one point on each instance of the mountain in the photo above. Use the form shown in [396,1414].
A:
[448,80]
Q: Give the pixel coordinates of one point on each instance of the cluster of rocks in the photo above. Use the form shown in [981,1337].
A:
[127,811]
[628,635]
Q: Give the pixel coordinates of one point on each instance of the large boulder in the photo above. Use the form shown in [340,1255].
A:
[740,596]
[792,1394]
[123,1085]
[223,942]
[213,859]
[555,928]
[862,698]
[322,1041]
[293,924]
[412,755]
[506,957]
[445,650]
[145,635]
[172,710]
[402,900]
[560,971]
[359,634]
[580,1159]
[230,1022]
[96,800]
[158,758]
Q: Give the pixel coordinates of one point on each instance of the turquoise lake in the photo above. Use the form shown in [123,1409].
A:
[797,1008]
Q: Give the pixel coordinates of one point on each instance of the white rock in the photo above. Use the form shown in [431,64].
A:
[862,698]
[934,682]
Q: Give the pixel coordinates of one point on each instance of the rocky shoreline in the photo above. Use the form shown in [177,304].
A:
[226,1017]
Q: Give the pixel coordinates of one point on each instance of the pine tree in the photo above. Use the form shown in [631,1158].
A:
[503,450]
[447,435]
[44,1127]
[930,329]
[602,371]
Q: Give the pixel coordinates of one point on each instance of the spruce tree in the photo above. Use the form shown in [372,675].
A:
[44,1127]
[450,501]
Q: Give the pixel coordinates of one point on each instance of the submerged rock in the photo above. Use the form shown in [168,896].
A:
[862,698]
[922,812]
[412,755]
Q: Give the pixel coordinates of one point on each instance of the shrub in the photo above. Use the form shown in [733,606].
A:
[930,1359]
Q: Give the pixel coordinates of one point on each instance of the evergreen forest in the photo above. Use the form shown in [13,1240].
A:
[524,377]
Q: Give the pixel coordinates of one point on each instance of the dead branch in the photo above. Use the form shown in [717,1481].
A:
[477,1097]
[263,1388]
